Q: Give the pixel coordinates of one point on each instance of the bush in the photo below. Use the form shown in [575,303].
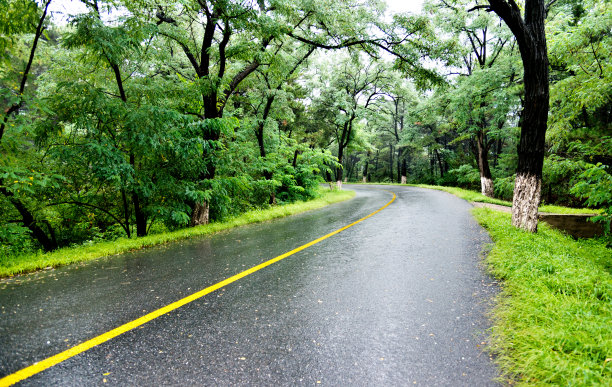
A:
[465,176]
[595,186]
[14,239]
[559,175]
[504,187]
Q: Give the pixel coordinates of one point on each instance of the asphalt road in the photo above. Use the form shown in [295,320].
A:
[398,299]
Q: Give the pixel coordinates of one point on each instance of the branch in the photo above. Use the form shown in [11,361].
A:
[227,32]
[115,218]
[550,4]
[16,106]
[346,43]
[485,7]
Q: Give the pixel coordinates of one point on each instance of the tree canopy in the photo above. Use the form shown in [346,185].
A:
[137,117]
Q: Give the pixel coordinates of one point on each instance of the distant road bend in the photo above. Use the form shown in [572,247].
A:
[397,298]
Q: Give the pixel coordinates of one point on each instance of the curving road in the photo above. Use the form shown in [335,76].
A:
[398,299]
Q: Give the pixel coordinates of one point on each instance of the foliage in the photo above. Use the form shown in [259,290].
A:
[504,187]
[12,264]
[130,120]
[551,324]
[465,176]
[595,186]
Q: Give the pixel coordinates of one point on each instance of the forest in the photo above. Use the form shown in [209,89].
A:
[138,117]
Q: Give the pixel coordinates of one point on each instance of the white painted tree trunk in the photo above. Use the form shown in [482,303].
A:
[339,184]
[404,180]
[200,215]
[525,202]
[486,186]
[365,179]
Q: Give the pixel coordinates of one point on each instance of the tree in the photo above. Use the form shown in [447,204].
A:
[346,93]
[21,17]
[530,35]
[483,100]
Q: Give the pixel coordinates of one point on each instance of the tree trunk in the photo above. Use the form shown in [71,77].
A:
[340,169]
[404,170]
[141,219]
[376,161]
[126,213]
[200,214]
[531,38]
[439,162]
[486,180]
[391,162]
[525,202]
[295,157]
[48,243]
[528,184]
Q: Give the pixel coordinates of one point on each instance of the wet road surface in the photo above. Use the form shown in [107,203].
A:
[398,299]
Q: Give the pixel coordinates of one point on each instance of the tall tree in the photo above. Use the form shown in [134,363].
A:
[528,28]
[348,91]
[21,17]
[483,42]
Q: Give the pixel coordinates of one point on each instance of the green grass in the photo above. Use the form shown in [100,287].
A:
[553,319]
[10,266]
[473,196]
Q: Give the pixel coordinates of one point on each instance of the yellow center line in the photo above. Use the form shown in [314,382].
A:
[67,354]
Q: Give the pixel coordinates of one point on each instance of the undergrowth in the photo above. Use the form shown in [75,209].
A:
[18,264]
[553,321]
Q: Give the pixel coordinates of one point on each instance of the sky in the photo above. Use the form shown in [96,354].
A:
[60,8]
[397,6]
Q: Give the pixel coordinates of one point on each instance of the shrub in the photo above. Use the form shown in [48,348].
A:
[595,186]
[465,176]
[504,187]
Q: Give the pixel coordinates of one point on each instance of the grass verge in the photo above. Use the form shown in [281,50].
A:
[20,264]
[473,196]
[552,323]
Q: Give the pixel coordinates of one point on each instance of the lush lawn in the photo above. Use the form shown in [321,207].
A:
[553,319]
[31,262]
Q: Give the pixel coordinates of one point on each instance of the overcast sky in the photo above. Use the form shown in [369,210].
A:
[61,8]
[396,6]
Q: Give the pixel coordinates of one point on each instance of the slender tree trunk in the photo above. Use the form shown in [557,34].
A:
[482,157]
[499,145]
[404,170]
[126,213]
[14,109]
[376,161]
[141,218]
[399,170]
[295,157]
[365,168]
[339,170]
[391,162]
[439,163]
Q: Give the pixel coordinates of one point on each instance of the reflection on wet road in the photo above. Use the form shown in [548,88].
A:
[396,299]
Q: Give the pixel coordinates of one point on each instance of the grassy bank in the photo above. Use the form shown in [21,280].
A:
[474,196]
[553,320]
[31,262]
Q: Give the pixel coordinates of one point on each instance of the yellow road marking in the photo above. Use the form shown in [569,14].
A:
[62,356]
